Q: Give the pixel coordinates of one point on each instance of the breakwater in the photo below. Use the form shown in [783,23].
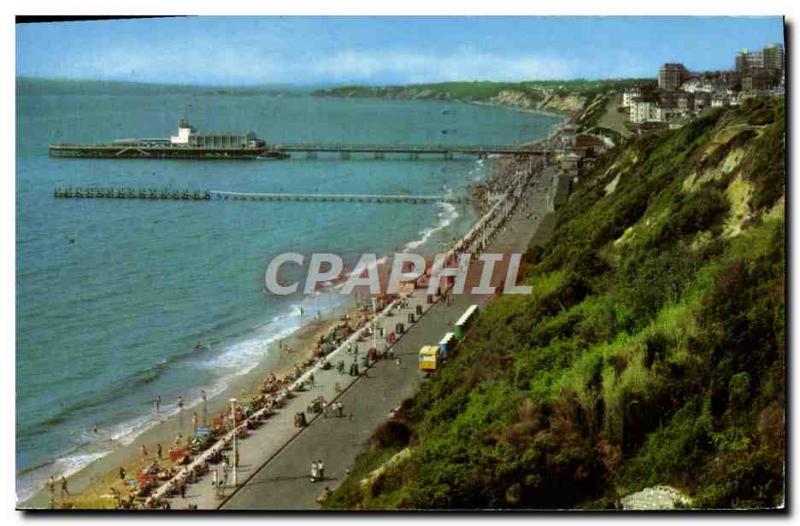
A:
[207,195]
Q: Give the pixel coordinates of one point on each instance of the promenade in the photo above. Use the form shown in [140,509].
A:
[280,481]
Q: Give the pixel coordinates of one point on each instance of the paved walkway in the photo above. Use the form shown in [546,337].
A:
[282,483]
[264,442]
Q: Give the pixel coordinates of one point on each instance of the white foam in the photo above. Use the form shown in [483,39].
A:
[446,218]
[30,483]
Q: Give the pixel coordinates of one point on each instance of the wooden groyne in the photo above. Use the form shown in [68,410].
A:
[72,192]
[208,195]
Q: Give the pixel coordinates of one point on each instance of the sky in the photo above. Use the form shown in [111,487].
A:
[382,50]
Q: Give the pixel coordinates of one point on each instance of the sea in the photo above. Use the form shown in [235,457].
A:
[113,295]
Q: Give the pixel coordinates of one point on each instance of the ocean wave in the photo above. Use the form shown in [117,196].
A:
[29,481]
[133,382]
[236,358]
[446,216]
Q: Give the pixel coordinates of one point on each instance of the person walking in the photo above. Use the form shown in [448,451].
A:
[320,470]
[314,471]
[180,403]
[311,379]
[159,451]
[64,489]
[194,422]
[121,473]
[157,404]
[51,487]
[144,451]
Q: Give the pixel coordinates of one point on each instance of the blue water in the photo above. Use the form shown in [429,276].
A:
[113,295]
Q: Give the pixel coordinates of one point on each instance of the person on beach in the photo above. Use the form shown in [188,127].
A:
[159,451]
[144,451]
[194,421]
[203,395]
[121,473]
[180,403]
[157,404]
[51,487]
[64,489]
[325,495]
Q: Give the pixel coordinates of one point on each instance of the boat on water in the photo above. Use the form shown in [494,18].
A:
[187,144]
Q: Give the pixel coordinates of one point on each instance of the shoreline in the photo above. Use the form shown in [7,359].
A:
[549,112]
[562,114]
[87,482]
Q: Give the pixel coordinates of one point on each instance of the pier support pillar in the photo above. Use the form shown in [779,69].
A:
[379,155]
[344,155]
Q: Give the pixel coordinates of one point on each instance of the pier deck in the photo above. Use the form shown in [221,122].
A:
[413,150]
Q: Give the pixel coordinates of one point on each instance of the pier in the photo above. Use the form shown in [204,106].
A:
[379,151]
[208,195]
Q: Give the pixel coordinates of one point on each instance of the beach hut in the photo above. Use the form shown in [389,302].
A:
[428,358]
[446,344]
[465,321]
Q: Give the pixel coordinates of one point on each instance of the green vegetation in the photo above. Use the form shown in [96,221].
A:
[549,95]
[585,100]
[652,350]
[483,90]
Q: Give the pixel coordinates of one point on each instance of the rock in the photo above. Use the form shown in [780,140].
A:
[656,498]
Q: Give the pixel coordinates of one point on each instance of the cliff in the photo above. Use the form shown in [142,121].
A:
[584,101]
[651,352]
